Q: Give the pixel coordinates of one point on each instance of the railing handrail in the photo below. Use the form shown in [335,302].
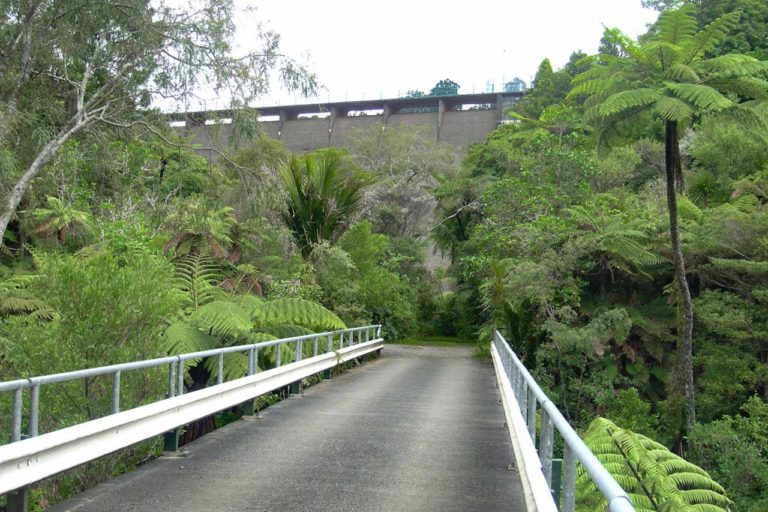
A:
[175,365]
[54,378]
[618,500]
[32,460]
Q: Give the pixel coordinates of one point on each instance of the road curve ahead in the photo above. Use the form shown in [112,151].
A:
[418,430]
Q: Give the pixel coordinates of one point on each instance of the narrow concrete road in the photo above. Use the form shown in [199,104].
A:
[417,430]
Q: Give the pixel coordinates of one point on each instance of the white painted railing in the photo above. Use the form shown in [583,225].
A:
[30,460]
[523,400]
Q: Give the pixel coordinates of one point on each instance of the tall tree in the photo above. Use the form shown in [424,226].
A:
[669,75]
[67,68]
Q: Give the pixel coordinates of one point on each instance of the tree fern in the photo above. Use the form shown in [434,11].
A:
[658,63]
[655,479]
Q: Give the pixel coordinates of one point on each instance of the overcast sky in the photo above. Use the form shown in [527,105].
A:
[362,49]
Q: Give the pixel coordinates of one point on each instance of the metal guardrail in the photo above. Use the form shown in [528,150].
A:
[175,366]
[23,463]
[531,399]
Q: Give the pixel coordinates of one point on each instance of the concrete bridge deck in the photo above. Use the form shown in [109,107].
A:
[417,430]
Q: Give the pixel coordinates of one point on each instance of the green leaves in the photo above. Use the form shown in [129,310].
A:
[655,479]
[711,36]
[702,97]
[624,101]
[673,109]
[298,312]
[668,72]
[222,318]
[324,189]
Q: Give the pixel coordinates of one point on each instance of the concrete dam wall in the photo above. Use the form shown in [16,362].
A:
[458,120]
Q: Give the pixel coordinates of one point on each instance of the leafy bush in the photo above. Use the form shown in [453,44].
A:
[734,450]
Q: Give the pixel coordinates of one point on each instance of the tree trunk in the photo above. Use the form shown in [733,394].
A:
[673,170]
[43,157]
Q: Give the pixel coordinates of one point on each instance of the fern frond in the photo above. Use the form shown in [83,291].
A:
[677,26]
[594,73]
[197,275]
[252,304]
[591,86]
[688,210]
[286,331]
[732,65]
[654,478]
[747,87]
[297,312]
[701,96]
[235,366]
[673,109]
[623,101]
[222,318]
[682,73]
[711,36]
[182,338]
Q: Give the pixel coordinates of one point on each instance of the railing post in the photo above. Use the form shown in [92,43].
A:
[180,378]
[171,441]
[34,411]
[171,438]
[249,408]
[524,401]
[279,354]
[220,370]
[545,447]
[327,373]
[116,392]
[557,480]
[16,412]
[568,501]
[18,501]
[296,386]
[171,380]
[522,392]
[532,414]
[315,352]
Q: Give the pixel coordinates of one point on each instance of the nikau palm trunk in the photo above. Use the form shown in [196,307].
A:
[673,170]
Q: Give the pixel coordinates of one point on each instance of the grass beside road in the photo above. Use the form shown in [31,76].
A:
[432,341]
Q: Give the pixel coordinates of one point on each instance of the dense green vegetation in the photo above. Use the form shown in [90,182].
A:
[616,232]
